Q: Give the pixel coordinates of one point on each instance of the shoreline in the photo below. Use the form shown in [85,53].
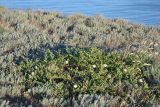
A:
[77,12]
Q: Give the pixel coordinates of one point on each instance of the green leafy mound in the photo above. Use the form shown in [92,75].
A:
[80,71]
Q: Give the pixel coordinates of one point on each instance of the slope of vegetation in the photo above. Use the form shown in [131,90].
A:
[47,59]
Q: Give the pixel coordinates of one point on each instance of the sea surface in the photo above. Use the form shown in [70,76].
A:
[139,11]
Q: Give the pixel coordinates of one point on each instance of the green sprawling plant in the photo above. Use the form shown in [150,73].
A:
[79,71]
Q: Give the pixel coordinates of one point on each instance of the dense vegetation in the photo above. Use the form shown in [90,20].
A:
[47,59]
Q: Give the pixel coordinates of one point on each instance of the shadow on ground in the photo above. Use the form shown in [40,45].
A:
[19,101]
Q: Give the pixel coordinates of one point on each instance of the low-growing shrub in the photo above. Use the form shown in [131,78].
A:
[81,71]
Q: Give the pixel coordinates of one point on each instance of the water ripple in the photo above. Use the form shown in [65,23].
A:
[143,11]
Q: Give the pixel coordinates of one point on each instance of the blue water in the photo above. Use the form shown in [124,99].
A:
[143,11]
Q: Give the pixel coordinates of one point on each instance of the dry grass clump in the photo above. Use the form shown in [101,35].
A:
[27,34]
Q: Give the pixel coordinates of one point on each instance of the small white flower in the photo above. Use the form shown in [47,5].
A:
[29,90]
[32,73]
[94,66]
[125,70]
[140,80]
[105,65]
[109,76]
[131,53]
[75,86]
[36,67]
[66,62]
